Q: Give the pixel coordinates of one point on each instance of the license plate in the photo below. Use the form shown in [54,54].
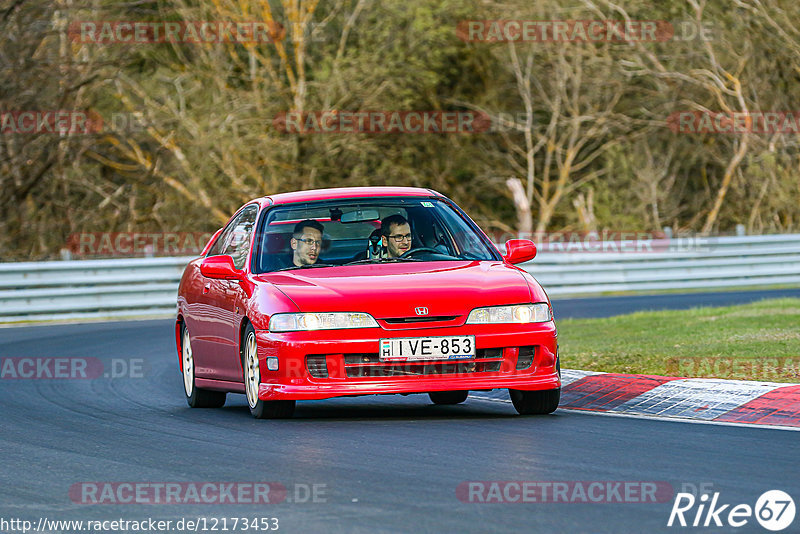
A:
[427,348]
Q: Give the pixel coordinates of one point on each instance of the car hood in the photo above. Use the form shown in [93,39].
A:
[397,289]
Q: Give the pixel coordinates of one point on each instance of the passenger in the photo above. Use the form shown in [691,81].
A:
[306,242]
[396,235]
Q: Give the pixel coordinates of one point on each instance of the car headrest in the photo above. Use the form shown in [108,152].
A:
[277,243]
[427,235]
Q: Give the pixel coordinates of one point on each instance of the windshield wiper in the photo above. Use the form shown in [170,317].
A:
[309,266]
[382,260]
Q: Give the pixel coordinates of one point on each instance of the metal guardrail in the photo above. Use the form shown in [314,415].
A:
[56,290]
[147,287]
[708,263]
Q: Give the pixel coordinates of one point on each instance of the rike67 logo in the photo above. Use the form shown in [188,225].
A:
[774,510]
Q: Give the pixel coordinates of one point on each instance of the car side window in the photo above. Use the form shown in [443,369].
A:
[219,245]
[238,245]
[234,241]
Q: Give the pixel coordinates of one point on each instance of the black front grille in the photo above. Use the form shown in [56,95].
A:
[489,353]
[370,365]
[355,359]
[431,319]
[413,369]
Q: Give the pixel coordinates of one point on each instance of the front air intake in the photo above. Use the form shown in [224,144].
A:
[525,358]
[370,365]
[317,365]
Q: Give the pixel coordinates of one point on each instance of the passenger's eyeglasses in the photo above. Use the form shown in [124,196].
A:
[399,238]
[309,242]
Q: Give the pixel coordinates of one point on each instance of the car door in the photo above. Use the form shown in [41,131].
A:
[215,316]
[230,297]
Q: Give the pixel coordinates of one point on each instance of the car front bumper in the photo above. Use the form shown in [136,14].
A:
[294,381]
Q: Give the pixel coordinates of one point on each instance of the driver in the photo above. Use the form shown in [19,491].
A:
[306,242]
[396,235]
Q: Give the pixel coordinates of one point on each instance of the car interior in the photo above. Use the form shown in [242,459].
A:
[339,244]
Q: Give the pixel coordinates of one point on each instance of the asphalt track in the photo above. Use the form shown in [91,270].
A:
[381,464]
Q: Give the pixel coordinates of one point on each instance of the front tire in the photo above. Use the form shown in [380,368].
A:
[535,402]
[260,409]
[448,397]
[195,396]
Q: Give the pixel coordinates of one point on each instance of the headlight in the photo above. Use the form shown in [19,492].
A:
[291,322]
[523,313]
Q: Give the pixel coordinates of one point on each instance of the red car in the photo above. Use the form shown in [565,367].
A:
[361,291]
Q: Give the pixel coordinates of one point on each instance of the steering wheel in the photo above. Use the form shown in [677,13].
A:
[409,253]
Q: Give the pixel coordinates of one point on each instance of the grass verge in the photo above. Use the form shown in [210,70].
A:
[756,341]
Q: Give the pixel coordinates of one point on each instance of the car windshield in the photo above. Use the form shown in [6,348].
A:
[419,229]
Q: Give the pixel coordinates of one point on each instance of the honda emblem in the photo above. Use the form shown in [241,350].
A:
[421,310]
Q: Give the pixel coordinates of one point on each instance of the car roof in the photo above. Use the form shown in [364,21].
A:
[348,192]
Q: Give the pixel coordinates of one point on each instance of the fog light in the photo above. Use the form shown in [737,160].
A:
[272,363]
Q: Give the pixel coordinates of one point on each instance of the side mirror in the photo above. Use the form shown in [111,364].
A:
[220,267]
[519,251]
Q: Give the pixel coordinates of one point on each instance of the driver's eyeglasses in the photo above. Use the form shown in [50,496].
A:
[309,242]
[400,238]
